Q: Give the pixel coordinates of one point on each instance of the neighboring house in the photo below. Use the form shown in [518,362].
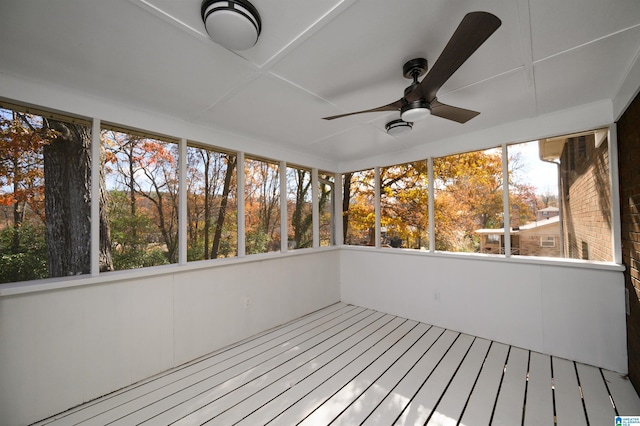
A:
[547,213]
[583,164]
[539,238]
[584,191]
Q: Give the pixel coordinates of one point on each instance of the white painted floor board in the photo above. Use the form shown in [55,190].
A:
[358,411]
[321,394]
[155,388]
[228,394]
[569,407]
[184,399]
[594,389]
[509,407]
[425,400]
[623,393]
[356,386]
[483,397]
[347,365]
[303,389]
[451,406]
[394,404]
[539,402]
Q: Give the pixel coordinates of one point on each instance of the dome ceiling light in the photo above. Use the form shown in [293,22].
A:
[234,24]
[398,127]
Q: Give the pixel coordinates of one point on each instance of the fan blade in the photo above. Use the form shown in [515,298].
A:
[394,106]
[449,112]
[473,31]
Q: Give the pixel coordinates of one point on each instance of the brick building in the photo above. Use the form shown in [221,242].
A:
[628,164]
[539,238]
[584,193]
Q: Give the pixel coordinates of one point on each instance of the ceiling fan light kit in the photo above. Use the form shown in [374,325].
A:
[398,127]
[415,111]
[234,24]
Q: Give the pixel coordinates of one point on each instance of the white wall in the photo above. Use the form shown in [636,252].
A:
[62,347]
[575,312]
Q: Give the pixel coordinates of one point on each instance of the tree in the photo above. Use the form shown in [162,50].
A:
[346,201]
[145,170]
[22,139]
[211,180]
[67,172]
[301,217]
[47,165]
[468,196]
[262,206]
[325,208]
[231,161]
[404,204]
[358,208]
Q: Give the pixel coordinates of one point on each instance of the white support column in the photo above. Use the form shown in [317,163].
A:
[505,200]
[337,211]
[96,164]
[284,228]
[377,210]
[182,202]
[315,208]
[614,176]
[241,220]
[432,227]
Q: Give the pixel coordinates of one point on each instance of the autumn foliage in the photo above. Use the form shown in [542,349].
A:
[468,195]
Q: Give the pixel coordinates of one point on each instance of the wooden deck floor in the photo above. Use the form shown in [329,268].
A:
[349,365]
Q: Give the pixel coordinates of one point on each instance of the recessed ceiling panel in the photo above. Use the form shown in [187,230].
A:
[587,74]
[268,108]
[557,26]
[283,21]
[116,50]
[356,60]
[356,143]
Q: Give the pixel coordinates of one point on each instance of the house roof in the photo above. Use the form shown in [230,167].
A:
[551,67]
[539,224]
[549,209]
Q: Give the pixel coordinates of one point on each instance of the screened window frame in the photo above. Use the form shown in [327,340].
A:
[97,125]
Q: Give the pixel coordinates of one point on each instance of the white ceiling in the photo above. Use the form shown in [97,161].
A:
[317,58]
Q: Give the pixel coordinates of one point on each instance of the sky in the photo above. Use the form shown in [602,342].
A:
[541,174]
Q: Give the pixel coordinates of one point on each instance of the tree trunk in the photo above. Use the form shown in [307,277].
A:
[299,221]
[18,217]
[206,159]
[231,164]
[105,259]
[67,171]
[346,197]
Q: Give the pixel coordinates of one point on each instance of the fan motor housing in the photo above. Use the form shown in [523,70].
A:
[415,68]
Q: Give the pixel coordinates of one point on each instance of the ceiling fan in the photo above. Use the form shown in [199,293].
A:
[419,98]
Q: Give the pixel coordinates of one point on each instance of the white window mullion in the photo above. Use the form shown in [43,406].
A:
[505,201]
[337,213]
[284,234]
[432,227]
[377,209]
[616,226]
[96,153]
[241,218]
[315,207]
[182,202]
